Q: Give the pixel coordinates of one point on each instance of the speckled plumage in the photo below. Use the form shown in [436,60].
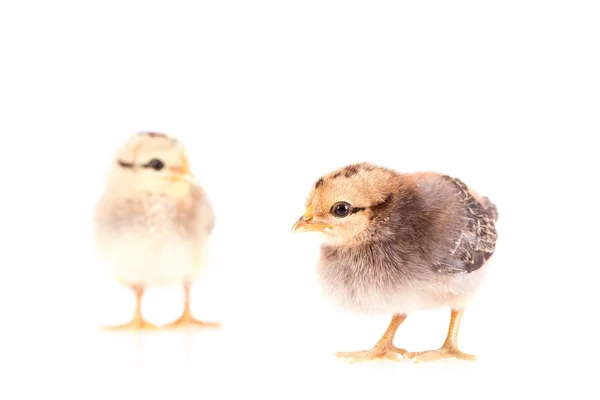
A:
[425,244]
[398,243]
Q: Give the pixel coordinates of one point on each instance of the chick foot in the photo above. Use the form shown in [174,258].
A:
[385,352]
[444,352]
[135,324]
[186,321]
[450,347]
[384,349]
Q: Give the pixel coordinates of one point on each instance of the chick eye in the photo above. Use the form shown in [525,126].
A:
[156,164]
[341,209]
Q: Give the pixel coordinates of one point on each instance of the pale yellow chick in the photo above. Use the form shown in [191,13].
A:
[153,222]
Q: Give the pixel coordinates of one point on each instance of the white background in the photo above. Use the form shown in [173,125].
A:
[268,96]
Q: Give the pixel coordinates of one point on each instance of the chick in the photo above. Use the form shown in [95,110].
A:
[398,243]
[153,222]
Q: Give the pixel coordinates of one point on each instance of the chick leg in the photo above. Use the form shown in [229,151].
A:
[450,347]
[138,321]
[187,319]
[384,349]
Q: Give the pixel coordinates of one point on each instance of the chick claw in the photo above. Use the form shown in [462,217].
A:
[444,352]
[386,352]
[186,321]
[136,324]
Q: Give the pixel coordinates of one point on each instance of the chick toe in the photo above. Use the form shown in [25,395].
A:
[135,324]
[186,321]
[444,352]
[385,352]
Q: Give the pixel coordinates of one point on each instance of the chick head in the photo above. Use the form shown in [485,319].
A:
[152,163]
[343,204]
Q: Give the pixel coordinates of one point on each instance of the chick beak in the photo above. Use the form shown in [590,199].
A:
[307,223]
[182,173]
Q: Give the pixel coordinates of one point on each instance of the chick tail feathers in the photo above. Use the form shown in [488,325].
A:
[490,208]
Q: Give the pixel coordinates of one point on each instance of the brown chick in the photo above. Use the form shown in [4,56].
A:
[398,243]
